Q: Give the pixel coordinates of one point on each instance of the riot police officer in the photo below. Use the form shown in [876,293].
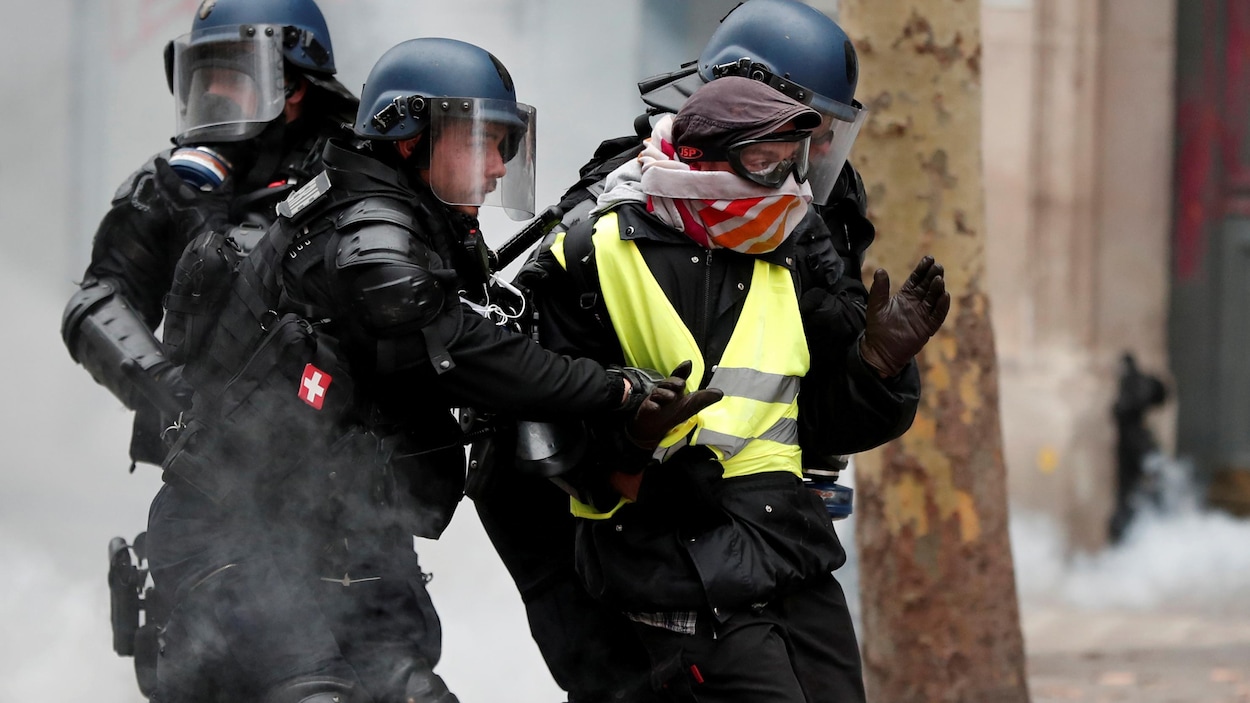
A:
[321,436]
[255,99]
[591,650]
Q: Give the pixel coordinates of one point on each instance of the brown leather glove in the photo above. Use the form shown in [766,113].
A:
[667,406]
[899,326]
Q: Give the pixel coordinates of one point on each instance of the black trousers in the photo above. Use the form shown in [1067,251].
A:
[258,604]
[801,648]
[590,649]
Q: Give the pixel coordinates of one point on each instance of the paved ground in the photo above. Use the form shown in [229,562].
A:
[1105,657]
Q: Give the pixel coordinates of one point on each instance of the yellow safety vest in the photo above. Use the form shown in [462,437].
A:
[752,430]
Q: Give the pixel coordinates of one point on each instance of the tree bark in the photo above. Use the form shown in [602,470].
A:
[941,619]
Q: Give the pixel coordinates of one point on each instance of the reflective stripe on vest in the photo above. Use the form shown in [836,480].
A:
[754,428]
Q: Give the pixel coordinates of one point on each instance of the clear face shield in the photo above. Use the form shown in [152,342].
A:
[227,87]
[482,153]
[831,144]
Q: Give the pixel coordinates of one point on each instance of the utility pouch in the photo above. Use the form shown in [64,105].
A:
[284,409]
[483,430]
[146,443]
[202,277]
[425,485]
[125,581]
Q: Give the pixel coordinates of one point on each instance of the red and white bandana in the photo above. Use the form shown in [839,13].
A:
[717,209]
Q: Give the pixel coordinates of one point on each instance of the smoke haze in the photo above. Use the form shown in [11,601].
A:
[66,489]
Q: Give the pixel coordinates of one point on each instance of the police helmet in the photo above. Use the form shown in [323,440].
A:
[797,50]
[791,40]
[229,74]
[305,38]
[433,85]
[395,101]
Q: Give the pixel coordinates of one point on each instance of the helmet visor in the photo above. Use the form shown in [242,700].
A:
[482,153]
[831,144]
[227,87]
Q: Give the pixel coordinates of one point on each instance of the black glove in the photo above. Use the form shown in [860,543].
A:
[898,327]
[162,385]
[192,210]
[662,405]
[169,377]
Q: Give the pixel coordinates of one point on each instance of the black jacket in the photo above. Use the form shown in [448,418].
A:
[694,540]
[138,242]
[374,268]
[137,248]
[845,406]
[493,368]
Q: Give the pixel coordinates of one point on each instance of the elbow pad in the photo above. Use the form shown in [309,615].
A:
[387,278]
[110,340]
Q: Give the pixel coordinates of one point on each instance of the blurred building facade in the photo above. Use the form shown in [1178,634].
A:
[1209,322]
[1079,142]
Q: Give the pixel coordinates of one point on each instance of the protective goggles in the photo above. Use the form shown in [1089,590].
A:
[767,160]
[831,142]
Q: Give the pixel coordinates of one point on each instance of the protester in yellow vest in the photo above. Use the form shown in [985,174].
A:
[710,543]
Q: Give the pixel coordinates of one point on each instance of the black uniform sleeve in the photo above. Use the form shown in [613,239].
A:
[571,316]
[845,406]
[846,216]
[134,248]
[406,311]
[505,371]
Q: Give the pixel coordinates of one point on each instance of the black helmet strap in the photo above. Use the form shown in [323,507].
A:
[746,68]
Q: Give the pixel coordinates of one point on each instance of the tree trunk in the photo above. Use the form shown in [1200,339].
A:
[941,620]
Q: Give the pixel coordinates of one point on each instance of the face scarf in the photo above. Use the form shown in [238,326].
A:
[717,209]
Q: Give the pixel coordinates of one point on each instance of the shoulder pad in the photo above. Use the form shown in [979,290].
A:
[309,193]
[579,253]
[850,187]
[385,210]
[128,186]
[377,242]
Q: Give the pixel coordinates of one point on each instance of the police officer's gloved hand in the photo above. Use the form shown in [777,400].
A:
[170,378]
[898,327]
[160,383]
[192,210]
[662,403]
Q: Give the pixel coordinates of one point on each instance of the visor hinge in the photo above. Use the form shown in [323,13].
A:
[293,37]
[743,67]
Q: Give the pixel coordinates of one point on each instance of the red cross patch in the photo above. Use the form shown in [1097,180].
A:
[313,386]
